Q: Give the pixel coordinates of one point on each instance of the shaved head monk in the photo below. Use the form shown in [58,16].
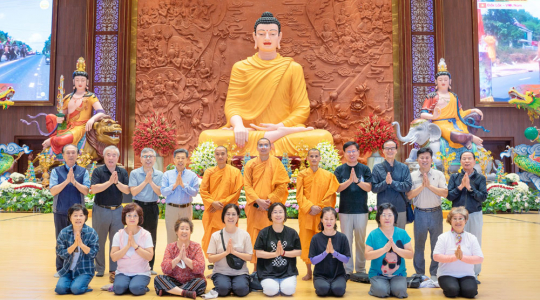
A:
[315,189]
[265,182]
[220,186]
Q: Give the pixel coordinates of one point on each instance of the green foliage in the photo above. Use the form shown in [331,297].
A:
[26,199]
[500,23]
[47,47]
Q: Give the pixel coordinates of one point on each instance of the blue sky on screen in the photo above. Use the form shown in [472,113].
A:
[26,21]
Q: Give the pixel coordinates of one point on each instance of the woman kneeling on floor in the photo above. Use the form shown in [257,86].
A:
[132,248]
[77,245]
[183,265]
[277,247]
[457,252]
[329,251]
[388,246]
[236,242]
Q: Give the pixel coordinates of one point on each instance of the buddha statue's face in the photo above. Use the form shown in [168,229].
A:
[443,83]
[80,83]
[267,37]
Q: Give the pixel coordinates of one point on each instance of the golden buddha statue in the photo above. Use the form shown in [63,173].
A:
[267,97]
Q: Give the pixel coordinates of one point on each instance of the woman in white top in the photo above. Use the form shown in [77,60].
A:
[238,244]
[132,248]
[457,252]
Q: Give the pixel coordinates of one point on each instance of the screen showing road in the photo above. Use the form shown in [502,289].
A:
[25,47]
[508,53]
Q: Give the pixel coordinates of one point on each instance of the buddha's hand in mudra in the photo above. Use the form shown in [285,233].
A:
[241,134]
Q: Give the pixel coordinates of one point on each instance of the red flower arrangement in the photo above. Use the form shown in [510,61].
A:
[373,132]
[156,133]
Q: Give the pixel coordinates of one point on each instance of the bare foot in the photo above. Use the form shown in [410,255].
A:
[478,141]
[307,277]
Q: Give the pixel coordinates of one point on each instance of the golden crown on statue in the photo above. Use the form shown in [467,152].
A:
[442,66]
[81,65]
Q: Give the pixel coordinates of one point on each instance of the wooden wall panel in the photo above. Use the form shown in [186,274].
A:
[458,38]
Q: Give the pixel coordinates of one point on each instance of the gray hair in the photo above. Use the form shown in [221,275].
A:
[181,150]
[146,150]
[111,147]
[69,145]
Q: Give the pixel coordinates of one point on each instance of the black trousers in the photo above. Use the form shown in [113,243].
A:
[60,222]
[224,284]
[151,217]
[453,287]
[327,287]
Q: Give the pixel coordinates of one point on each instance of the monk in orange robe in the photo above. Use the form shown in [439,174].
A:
[265,182]
[220,186]
[267,97]
[315,189]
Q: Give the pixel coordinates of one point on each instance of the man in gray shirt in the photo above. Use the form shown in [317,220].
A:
[428,186]
[145,185]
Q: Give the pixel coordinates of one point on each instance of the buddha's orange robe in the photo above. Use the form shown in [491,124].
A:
[318,189]
[263,180]
[267,91]
[223,185]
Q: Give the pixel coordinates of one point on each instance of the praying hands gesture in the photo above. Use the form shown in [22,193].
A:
[148,178]
[459,253]
[131,241]
[465,182]
[181,256]
[388,178]
[425,181]
[279,249]
[78,243]
[178,182]
[353,178]
[329,247]
[114,178]
[230,248]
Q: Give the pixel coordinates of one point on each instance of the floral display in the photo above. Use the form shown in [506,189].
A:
[373,132]
[203,158]
[26,199]
[330,158]
[156,133]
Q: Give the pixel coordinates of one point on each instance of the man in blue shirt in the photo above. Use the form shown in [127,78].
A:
[68,184]
[179,186]
[145,185]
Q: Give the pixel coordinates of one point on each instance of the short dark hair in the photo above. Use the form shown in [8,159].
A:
[68,145]
[183,220]
[132,207]
[181,150]
[77,207]
[390,140]
[264,139]
[273,206]
[474,156]
[350,143]
[325,210]
[424,150]
[380,210]
[226,208]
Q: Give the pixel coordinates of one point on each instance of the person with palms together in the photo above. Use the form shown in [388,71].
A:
[329,251]
[183,265]
[457,251]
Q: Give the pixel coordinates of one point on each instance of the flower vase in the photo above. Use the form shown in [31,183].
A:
[158,165]
[374,159]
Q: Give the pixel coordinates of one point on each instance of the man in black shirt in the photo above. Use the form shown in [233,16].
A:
[355,183]
[108,183]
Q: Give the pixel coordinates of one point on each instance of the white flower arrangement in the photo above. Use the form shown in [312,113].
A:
[513,177]
[203,157]
[330,158]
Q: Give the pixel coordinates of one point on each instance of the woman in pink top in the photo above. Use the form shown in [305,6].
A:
[183,265]
[457,252]
[132,248]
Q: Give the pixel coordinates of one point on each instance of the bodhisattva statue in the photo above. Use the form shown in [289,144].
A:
[444,109]
[77,107]
[267,97]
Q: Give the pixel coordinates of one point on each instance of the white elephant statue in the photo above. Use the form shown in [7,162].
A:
[427,134]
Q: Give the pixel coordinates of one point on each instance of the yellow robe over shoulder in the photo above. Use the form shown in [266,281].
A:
[263,180]
[448,112]
[267,91]
[223,185]
[319,189]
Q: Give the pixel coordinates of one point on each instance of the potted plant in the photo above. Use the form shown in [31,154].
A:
[156,133]
[372,133]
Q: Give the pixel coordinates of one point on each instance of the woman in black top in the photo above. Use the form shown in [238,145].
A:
[277,247]
[328,251]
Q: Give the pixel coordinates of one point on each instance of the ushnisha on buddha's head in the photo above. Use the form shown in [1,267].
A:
[267,33]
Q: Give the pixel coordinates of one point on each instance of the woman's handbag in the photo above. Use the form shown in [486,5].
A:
[233,261]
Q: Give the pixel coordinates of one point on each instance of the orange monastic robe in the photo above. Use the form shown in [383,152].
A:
[263,180]
[319,189]
[223,185]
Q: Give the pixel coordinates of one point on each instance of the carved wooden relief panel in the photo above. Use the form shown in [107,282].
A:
[186,49]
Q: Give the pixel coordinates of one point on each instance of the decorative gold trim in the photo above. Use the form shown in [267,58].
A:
[132,83]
